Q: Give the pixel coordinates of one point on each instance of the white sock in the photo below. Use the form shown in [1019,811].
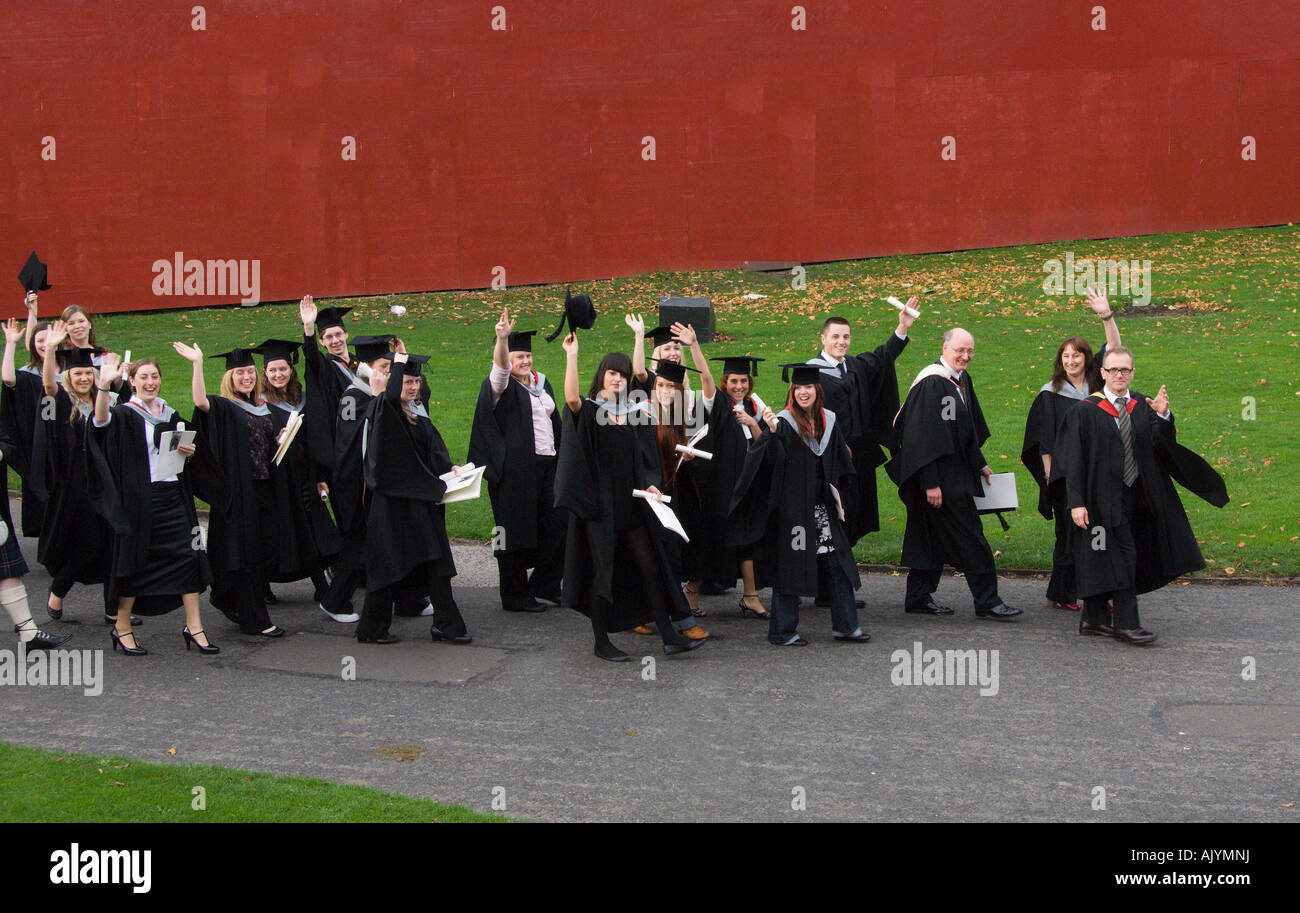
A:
[14,600]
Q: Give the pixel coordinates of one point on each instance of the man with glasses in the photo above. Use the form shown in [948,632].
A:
[938,468]
[1116,452]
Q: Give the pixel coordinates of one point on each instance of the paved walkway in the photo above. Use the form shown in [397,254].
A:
[738,730]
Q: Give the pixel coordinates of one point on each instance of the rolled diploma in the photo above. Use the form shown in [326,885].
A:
[702,454]
[902,307]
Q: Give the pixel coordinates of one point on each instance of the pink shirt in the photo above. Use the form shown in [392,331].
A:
[543,408]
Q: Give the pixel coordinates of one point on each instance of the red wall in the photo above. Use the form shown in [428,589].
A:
[522,148]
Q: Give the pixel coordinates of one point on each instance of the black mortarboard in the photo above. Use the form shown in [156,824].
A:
[801,373]
[579,311]
[329,317]
[660,335]
[415,364]
[521,341]
[274,349]
[33,274]
[369,348]
[740,364]
[76,358]
[672,371]
[236,358]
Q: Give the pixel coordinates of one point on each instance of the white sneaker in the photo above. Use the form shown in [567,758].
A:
[349,618]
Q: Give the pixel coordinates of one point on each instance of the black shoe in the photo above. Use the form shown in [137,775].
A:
[929,608]
[796,641]
[209,648]
[1098,630]
[55,614]
[112,620]
[1001,612]
[1138,636]
[43,641]
[385,638]
[607,651]
[859,638]
[688,646]
[275,631]
[533,606]
[459,639]
[129,651]
[552,598]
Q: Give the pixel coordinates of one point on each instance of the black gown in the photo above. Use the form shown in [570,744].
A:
[599,465]
[156,554]
[774,499]
[865,401]
[715,559]
[1045,416]
[76,542]
[325,383]
[937,450]
[311,541]
[1086,464]
[19,411]
[244,525]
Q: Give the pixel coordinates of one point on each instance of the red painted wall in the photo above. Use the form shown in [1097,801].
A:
[523,148]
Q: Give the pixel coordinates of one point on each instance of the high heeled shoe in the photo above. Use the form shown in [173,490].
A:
[190,638]
[692,594]
[760,612]
[137,650]
[55,614]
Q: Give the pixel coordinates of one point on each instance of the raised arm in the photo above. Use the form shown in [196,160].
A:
[54,337]
[30,301]
[310,347]
[572,398]
[686,335]
[638,346]
[1097,301]
[501,351]
[194,355]
[110,370]
[12,335]
[393,391]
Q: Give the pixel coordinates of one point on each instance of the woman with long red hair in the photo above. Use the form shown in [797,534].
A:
[787,505]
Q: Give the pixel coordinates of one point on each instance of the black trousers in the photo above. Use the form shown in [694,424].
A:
[921,584]
[1060,588]
[377,614]
[634,546]
[1125,599]
[518,587]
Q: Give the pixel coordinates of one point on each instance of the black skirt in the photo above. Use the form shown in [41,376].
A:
[172,568]
[12,563]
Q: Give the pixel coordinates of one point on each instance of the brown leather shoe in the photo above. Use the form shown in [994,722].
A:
[1139,636]
[642,629]
[696,633]
[1099,630]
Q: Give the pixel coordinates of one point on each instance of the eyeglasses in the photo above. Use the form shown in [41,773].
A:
[1122,372]
[962,351]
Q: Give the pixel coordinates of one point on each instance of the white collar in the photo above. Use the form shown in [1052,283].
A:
[1112,397]
[956,375]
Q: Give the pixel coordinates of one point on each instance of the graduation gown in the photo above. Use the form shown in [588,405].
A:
[865,400]
[773,501]
[222,474]
[406,527]
[940,434]
[19,412]
[311,541]
[1088,462]
[347,490]
[501,440]
[71,531]
[1045,417]
[118,484]
[325,384]
[594,470]
[714,481]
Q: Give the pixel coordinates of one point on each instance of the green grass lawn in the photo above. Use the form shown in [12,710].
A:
[49,786]
[1221,326]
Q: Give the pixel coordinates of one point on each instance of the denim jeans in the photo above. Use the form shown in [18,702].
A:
[844,613]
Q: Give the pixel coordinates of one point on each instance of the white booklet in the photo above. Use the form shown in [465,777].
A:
[170,460]
[1000,494]
[663,513]
[463,487]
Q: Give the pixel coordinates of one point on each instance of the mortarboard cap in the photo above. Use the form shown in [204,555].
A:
[275,349]
[660,335]
[34,274]
[370,348]
[329,317]
[672,371]
[801,373]
[236,358]
[740,364]
[521,341]
[578,311]
[415,364]
[76,358]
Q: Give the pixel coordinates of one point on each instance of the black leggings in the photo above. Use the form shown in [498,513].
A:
[633,545]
